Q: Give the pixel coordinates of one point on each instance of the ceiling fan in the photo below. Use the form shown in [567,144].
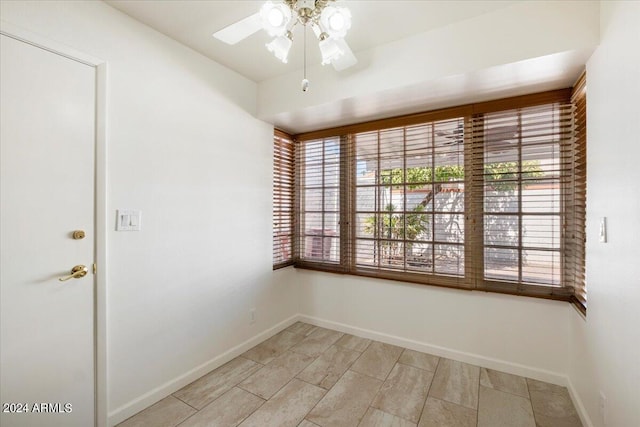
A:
[329,23]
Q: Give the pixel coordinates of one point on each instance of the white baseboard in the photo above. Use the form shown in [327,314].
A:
[579,405]
[122,413]
[461,356]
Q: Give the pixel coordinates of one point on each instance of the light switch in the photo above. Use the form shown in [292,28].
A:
[603,230]
[128,220]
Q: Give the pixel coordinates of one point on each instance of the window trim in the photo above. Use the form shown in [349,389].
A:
[470,280]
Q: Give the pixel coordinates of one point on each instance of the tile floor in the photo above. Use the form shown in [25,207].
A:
[307,376]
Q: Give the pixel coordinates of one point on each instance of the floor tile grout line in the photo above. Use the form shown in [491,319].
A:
[455,403]
[326,390]
[295,376]
[417,367]
[185,420]
[528,396]
[449,401]
[325,395]
[533,411]
[341,376]
[211,372]
[250,392]
[478,401]
[383,381]
[359,351]
[234,384]
[318,358]
[277,354]
[371,376]
[366,375]
[395,362]
[398,416]
[214,400]
[243,357]
[406,364]
[254,411]
[424,404]
[187,403]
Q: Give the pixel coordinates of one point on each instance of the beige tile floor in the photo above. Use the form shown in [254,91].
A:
[308,376]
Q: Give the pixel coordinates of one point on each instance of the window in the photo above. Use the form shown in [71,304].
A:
[283,199]
[409,198]
[319,192]
[485,196]
[523,170]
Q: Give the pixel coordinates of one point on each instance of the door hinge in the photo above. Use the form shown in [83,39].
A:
[95,268]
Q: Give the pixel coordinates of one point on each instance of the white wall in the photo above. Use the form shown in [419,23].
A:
[525,336]
[183,147]
[605,349]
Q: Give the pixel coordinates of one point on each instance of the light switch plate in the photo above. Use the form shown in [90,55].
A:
[128,220]
[603,230]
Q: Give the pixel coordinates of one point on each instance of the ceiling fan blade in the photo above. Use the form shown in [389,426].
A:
[240,30]
[344,61]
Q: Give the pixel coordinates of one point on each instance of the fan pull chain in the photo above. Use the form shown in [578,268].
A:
[305,82]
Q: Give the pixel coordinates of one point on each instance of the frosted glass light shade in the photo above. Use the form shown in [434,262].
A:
[330,50]
[275,17]
[336,21]
[280,47]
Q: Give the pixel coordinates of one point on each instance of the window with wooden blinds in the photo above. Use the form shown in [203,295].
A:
[409,200]
[319,181]
[577,197]
[283,199]
[521,174]
[487,196]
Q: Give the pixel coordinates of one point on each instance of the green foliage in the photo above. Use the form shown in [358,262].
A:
[501,176]
[419,175]
[396,226]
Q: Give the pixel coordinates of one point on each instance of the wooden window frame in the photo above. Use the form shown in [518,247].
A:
[474,228]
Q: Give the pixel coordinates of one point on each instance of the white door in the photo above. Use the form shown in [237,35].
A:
[47,137]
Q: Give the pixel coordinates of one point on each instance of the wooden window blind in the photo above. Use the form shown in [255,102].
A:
[576,197]
[520,174]
[283,199]
[485,196]
[319,184]
[409,200]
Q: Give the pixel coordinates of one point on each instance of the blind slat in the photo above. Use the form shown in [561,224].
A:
[283,199]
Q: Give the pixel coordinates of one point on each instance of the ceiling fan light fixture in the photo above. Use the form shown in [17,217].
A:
[280,46]
[278,18]
[275,18]
[330,50]
[335,21]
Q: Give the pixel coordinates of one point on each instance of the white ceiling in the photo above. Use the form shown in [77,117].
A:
[413,55]
[374,23]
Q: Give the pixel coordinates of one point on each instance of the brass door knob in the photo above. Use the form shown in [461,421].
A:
[76,272]
[78,234]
